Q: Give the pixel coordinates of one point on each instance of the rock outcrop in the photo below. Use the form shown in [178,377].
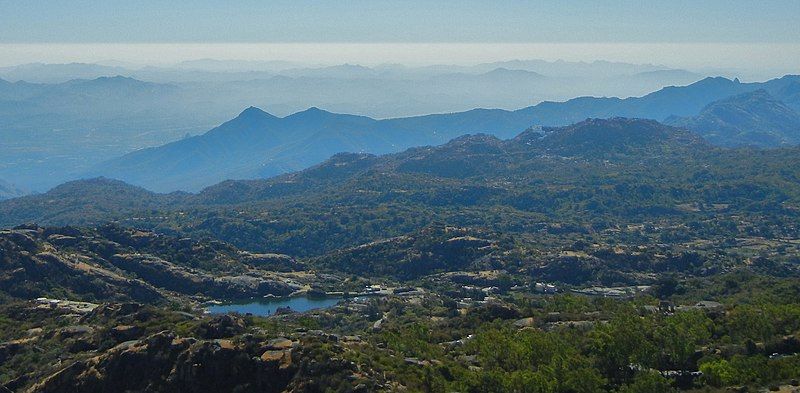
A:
[112,263]
[165,363]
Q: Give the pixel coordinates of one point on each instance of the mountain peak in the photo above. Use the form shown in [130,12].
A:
[715,80]
[608,136]
[253,112]
[316,116]
[624,124]
[312,111]
[503,71]
[313,114]
[92,182]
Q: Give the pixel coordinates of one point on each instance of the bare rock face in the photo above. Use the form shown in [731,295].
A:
[114,263]
[75,331]
[222,326]
[115,348]
[32,268]
[281,357]
[525,323]
[164,274]
[62,240]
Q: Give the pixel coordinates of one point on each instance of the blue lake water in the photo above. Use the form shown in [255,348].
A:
[265,307]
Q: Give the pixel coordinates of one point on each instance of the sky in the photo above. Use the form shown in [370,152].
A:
[696,33]
[603,21]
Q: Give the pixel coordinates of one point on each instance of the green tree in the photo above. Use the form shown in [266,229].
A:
[648,382]
[682,333]
[718,373]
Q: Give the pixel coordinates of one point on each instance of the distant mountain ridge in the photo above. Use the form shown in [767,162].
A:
[646,171]
[471,156]
[53,73]
[257,144]
[594,137]
[8,190]
[754,119]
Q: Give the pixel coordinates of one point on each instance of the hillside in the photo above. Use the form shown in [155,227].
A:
[253,144]
[574,239]
[258,145]
[600,178]
[749,119]
[433,249]
[85,200]
[578,175]
[112,263]
[58,121]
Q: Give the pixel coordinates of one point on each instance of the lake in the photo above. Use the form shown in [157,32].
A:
[265,307]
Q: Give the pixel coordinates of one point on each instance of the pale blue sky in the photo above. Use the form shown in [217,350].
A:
[606,21]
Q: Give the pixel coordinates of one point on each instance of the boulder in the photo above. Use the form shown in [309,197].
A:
[124,333]
[524,323]
[281,358]
[62,240]
[222,326]
[280,343]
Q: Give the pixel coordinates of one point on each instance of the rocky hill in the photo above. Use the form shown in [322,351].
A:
[114,347]
[430,250]
[110,262]
[750,119]
[615,170]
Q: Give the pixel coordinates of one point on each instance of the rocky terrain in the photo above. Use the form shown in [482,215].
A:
[116,347]
[611,255]
[125,264]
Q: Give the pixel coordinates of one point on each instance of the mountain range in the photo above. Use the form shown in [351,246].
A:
[53,132]
[451,243]
[58,120]
[257,144]
[753,118]
[597,172]
[56,132]
[212,69]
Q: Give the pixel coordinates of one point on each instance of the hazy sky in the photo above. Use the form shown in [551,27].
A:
[679,33]
[400,21]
